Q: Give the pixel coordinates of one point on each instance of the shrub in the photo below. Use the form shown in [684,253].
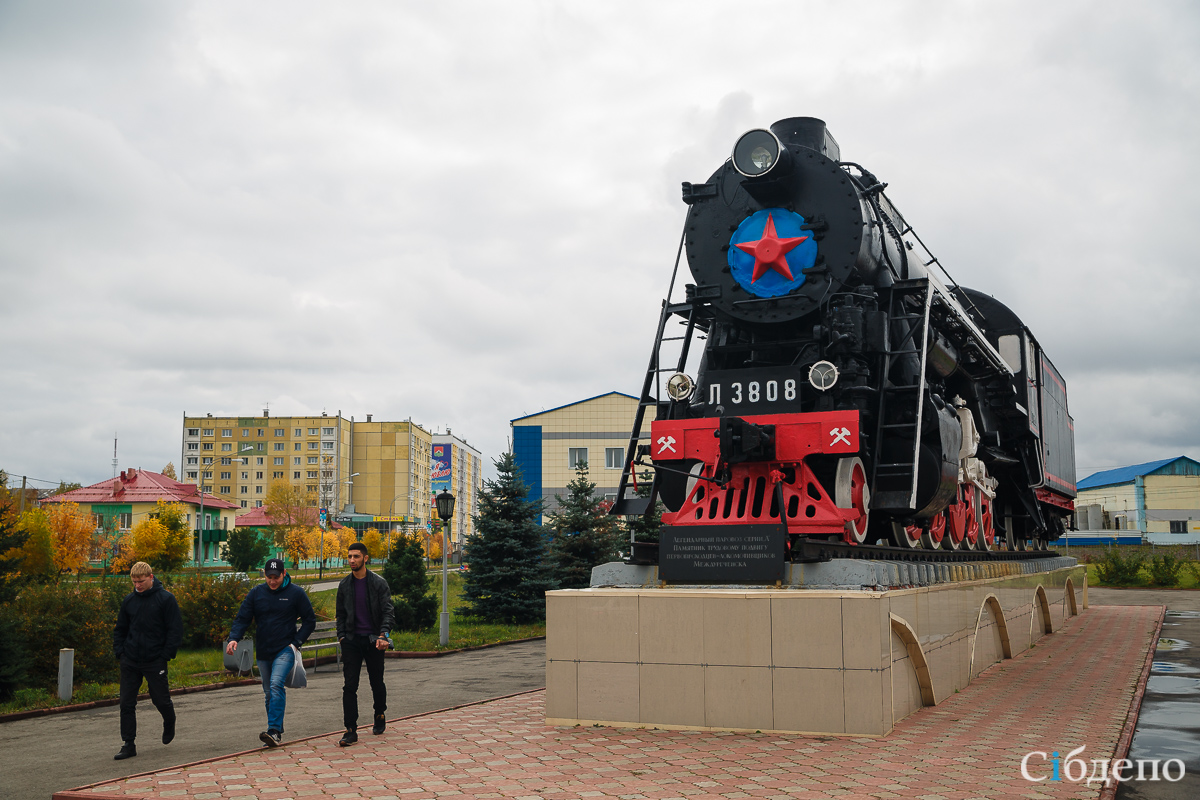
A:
[1194,568]
[78,616]
[245,550]
[208,604]
[1164,570]
[14,658]
[415,607]
[1119,570]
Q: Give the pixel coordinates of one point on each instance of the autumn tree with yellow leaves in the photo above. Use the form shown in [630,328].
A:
[164,540]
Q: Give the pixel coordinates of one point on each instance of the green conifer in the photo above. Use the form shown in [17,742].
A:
[415,605]
[584,535]
[507,577]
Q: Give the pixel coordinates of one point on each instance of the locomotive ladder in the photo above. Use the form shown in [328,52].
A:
[899,417]
[636,506]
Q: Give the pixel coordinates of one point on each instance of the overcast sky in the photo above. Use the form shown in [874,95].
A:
[468,212]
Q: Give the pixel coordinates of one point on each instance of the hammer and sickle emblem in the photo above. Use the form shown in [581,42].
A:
[666,442]
[840,435]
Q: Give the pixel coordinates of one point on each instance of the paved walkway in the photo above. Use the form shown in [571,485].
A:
[1073,689]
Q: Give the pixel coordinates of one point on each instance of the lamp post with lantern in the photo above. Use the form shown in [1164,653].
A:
[445,510]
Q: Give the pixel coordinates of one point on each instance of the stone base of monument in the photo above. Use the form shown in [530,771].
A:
[841,661]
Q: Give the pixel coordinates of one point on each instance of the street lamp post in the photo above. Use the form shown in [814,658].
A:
[445,510]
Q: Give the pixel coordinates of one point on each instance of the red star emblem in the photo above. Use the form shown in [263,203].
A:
[770,252]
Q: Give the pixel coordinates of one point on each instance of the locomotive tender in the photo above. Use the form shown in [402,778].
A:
[843,390]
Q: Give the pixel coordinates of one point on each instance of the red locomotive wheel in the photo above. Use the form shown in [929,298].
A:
[906,535]
[851,491]
[971,530]
[932,538]
[956,523]
[987,528]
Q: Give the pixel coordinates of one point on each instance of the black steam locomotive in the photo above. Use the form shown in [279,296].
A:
[843,391]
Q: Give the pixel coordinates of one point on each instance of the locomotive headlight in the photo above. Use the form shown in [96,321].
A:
[756,153]
[680,387]
[823,375]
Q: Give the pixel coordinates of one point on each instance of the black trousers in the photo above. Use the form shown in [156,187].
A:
[155,673]
[356,650]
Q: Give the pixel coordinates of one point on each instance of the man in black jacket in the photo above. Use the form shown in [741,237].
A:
[148,634]
[276,606]
[364,619]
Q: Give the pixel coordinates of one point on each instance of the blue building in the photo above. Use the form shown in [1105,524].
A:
[1157,502]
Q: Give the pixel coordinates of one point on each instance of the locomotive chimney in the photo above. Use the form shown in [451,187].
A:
[807,132]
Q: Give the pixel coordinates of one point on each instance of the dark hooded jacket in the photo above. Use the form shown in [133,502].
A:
[149,626]
[275,613]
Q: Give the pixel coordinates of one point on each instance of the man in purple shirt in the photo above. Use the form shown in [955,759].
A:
[364,619]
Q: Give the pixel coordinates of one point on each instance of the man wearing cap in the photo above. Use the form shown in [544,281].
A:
[275,606]
[364,618]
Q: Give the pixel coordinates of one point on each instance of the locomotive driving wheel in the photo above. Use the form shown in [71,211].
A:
[850,490]
[956,523]
[908,536]
[931,539]
[986,539]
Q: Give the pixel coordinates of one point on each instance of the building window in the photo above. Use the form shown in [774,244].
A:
[299,432]
[258,476]
[576,456]
[311,446]
[276,474]
[312,431]
[280,446]
[311,488]
[193,431]
[225,476]
[245,475]
[227,432]
[243,490]
[278,462]
[193,446]
[260,432]
[191,460]
[192,475]
[327,431]
[208,476]
[259,462]
[327,473]
[297,446]
[243,504]
[125,522]
[207,459]
[224,490]
[1179,526]
[208,431]
[279,431]
[245,432]
[208,446]
[258,503]
[296,461]
[614,458]
[312,473]
[226,447]
[326,445]
[225,462]
[312,459]
[296,475]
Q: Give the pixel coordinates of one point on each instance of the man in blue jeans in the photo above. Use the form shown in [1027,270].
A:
[276,606]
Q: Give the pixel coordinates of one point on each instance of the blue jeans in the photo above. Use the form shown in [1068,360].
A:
[274,673]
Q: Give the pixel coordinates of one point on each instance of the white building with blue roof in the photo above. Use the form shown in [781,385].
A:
[1158,501]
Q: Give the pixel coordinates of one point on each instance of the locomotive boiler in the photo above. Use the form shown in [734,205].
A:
[824,382]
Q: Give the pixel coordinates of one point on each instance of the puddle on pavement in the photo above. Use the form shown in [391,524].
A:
[1184,614]
[1170,684]
[1173,644]
[1164,744]
[1176,715]
[1172,668]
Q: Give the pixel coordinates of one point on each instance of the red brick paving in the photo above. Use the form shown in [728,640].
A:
[1074,688]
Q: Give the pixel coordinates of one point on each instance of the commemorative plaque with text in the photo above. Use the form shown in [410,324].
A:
[712,554]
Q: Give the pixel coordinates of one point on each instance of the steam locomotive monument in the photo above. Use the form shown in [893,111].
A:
[861,467]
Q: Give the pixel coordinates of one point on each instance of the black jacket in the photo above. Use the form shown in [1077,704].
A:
[379,601]
[276,613]
[149,626]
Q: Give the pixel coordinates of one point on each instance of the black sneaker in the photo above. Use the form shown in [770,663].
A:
[168,730]
[348,738]
[380,724]
[271,738]
[127,751]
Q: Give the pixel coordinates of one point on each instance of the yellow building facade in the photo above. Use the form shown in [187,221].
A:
[549,445]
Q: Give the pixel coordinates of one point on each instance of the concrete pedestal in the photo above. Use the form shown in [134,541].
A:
[825,661]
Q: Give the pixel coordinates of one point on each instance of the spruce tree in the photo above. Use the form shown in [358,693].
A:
[415,606]
[507,576]
[584,535]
